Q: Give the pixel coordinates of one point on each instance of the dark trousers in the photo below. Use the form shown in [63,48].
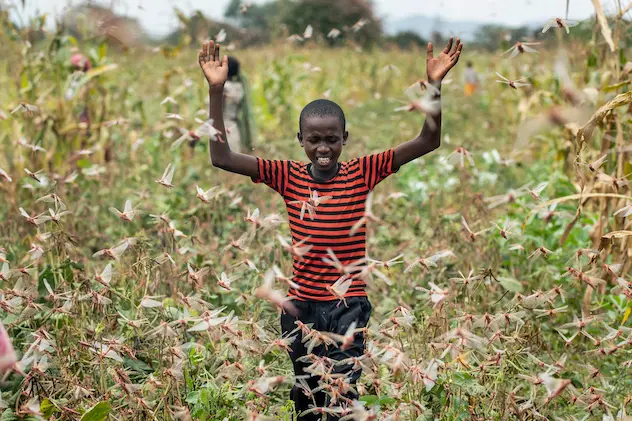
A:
[326,316]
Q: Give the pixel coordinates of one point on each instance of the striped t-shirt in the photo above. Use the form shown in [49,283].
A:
[332,220]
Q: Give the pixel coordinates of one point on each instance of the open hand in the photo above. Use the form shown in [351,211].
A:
[215,71]
[438,67]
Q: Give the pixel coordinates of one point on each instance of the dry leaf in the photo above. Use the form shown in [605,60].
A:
[585,133]
[607,238]
[603,22]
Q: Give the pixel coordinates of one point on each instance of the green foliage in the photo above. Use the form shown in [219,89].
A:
[197,28]
[407,40]
[211,402]
[495,36]
[262,21]
[98,412]
[233,9]
[325,15]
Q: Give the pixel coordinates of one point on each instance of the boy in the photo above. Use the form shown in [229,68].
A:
[328,223]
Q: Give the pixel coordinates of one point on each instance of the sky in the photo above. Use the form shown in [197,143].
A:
[157,18]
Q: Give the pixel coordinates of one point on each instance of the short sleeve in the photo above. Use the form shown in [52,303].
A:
[273,173]
[377,167]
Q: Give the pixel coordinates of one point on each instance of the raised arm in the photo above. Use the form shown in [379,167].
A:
[216,73]
[430,137]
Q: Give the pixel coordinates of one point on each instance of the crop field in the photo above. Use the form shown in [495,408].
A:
[508,249]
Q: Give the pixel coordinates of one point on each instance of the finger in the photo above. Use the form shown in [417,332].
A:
[430,51]
[458,50]
[456,47]
[216,53]
[201,58]
[225,61]
[449,46]
[455,59]
[211,51]
[207,50]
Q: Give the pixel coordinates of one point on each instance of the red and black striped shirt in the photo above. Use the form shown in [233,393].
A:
[332,221]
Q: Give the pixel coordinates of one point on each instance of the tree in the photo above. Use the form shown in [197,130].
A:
[90,20]
[437,38]
[325,15]
[494,36]
[233,9]
[262,21]
[408,39]
[197,28]
[8,27]
[491,36]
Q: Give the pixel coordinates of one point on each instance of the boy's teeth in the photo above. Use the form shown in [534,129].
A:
[323,161]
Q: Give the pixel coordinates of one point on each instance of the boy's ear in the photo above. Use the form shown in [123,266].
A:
[345,135]
[299,136]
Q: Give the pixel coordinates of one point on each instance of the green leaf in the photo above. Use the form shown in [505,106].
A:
[47,274]
[369,399]
[47,408]
[97,71]
[626,315]
[137,365]
[460,378]
[386,400]
[24,82]
[72,40]
[103,49]
[468,383]
[83,163]
[8,415]
[193,398]
[510,284]
[204,395]
[616,86]
[66,269]
[98,412]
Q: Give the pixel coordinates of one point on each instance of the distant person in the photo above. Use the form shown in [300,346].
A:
[471,79]
[237,116]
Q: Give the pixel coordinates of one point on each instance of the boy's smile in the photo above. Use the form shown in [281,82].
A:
[323,137]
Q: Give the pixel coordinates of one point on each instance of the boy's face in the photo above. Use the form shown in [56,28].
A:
[323,139]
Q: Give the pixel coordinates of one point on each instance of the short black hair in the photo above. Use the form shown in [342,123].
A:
[233,67]
[322,108]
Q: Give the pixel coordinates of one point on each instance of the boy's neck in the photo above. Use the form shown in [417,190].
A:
[323,175]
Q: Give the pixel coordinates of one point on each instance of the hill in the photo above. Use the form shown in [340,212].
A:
[425,25]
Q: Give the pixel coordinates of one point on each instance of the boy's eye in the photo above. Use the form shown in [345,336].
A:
[328,139]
